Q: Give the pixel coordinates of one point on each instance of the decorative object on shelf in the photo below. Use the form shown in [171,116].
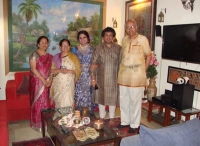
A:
[151,89]
[161,15]
[151,75]
[174,73]
[188,4]
[114,22]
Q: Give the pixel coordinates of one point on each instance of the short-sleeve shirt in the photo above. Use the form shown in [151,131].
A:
[132,72]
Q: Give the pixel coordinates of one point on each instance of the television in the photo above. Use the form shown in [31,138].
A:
[181,42]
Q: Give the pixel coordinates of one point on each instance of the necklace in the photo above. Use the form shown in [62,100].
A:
[41,52]
[85,49]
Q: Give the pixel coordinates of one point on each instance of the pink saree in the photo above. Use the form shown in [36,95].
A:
[39,94]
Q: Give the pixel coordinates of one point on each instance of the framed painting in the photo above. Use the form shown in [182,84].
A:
[26,20]
[144,13]
[174,73]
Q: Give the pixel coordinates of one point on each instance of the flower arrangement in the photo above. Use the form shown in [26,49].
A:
[151,71]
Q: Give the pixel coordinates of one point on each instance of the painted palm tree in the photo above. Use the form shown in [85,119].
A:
[29,10]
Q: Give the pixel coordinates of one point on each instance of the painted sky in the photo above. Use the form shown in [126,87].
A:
[54,11]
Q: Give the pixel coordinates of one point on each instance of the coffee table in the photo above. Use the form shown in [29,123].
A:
[106,135]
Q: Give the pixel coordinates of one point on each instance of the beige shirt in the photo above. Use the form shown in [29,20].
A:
[132,71]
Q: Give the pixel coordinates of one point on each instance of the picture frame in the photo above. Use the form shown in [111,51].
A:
[144,13]
[174,73]
[57,16]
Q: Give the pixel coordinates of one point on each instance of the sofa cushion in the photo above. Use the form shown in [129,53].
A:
[23,88]
[19,77]
[185,134]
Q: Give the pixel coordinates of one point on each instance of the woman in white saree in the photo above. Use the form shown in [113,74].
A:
[66,71]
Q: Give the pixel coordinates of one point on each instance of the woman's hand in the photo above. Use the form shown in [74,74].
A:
[48,83]
[93,83]
[65,71]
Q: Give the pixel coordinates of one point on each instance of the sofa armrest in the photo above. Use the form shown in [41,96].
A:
[131,140]
[11,90]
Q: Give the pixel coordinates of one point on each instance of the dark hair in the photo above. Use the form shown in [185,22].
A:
[108,29]
[85,33]
[60,43]
[42,37]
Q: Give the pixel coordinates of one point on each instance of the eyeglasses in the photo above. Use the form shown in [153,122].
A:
[65,45]
[44,43]
[130,27]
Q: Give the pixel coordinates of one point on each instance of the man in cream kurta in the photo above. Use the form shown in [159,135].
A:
[132,76]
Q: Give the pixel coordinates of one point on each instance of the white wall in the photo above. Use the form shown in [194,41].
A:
[175,14]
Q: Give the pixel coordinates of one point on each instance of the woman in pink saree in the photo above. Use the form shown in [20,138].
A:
[39,82]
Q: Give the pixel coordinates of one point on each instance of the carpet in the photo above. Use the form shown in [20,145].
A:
[122,132]
[145,105]
[45,141]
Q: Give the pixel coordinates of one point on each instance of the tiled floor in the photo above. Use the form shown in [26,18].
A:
[21,130]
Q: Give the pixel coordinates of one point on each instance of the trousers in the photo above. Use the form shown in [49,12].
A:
[131,105]
[102,111]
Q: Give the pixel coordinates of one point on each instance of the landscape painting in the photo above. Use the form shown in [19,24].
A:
[56,19]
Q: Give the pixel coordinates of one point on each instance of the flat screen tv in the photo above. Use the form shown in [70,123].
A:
[181,42]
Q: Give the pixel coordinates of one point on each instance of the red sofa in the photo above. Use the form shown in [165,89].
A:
[18,105]
[3,124]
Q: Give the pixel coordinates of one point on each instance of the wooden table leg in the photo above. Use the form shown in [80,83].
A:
[150,111]
[43,125]
[187,117]
[167,117]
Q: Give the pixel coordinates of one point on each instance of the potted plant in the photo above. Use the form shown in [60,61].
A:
[151,75]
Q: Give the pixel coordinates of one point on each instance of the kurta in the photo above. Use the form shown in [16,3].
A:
[107,60]
[132,71]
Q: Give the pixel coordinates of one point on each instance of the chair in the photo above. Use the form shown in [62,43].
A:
[18,105]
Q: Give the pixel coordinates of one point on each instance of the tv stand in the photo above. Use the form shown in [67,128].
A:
[164,118]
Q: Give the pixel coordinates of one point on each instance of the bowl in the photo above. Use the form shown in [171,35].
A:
[98,124]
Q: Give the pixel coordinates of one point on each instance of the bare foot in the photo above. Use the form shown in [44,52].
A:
[111,122]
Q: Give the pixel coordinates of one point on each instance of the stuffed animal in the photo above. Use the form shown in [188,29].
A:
[182,80]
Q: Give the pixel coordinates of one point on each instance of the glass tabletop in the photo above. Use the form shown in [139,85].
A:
[52,116]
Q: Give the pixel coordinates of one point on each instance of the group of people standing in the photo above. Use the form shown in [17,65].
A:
[107,75]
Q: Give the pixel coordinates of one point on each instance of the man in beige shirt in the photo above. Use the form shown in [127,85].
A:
[132,75]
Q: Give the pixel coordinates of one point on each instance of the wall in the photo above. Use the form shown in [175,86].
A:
[175,14]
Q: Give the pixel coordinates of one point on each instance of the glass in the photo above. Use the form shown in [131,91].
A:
[65,45]
[44,43]
[130,27]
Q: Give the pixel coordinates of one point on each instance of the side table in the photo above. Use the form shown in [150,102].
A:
[187,113]
[167,118]
[162,107]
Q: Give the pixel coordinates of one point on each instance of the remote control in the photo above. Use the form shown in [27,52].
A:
[65,130]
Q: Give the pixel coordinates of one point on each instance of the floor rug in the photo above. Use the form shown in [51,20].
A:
[45,141]
[122,132]
[145,105]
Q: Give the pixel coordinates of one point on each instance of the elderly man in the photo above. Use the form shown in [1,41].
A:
[132,76]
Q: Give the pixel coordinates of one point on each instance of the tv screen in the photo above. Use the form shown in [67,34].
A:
[181,42]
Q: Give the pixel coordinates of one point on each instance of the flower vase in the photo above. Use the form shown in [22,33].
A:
[151,89]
